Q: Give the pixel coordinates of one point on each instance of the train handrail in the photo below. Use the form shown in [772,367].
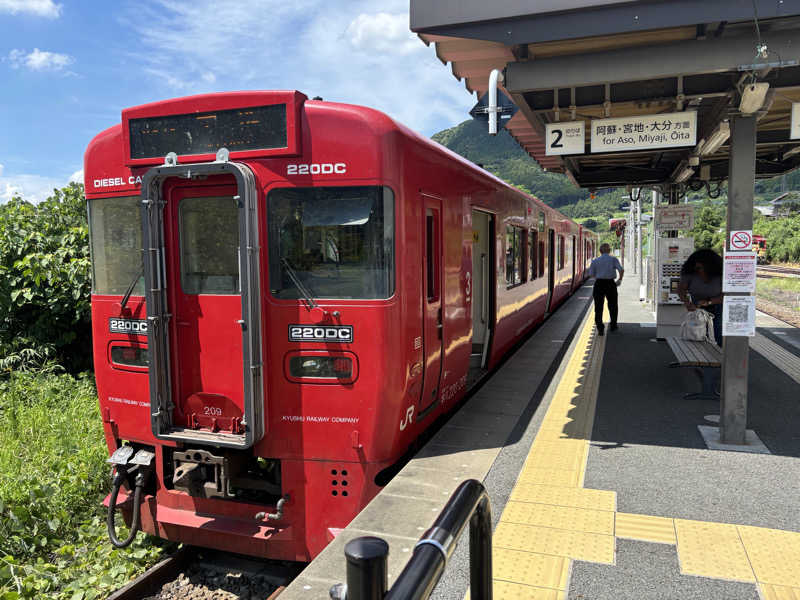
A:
[367,556]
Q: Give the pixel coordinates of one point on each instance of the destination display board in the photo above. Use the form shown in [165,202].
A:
[644,132]
[252,128]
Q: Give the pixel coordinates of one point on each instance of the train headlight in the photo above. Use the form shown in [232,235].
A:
[321,367]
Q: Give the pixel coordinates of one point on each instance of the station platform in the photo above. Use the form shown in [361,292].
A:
[601,484]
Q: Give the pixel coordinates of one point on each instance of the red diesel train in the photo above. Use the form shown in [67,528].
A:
[286,294]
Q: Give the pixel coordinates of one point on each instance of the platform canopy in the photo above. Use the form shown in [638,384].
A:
[585,60]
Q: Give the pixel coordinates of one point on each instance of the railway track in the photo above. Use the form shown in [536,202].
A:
[200,574]
[774,270]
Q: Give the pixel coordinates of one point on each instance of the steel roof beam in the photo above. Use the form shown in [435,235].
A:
[689,57]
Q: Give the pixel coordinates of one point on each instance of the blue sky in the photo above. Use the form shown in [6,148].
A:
[68,68]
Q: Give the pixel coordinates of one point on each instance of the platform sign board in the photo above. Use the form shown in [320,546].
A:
[739,316]
[671,217]
[739,272]
[565,138]
[741,239]
[794,130]
[645,132]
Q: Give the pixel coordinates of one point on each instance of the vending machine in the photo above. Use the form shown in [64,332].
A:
[672,253]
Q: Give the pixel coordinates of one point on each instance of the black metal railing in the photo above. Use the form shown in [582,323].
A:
[367,572]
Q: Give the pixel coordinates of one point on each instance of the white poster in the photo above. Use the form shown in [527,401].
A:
[565,138]
[739,316]
[794,130]
[670,217]
[645,132]
[739,272]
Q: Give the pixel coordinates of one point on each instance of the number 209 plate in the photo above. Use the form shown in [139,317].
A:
[341,334]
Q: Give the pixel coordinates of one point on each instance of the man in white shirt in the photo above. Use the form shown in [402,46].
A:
[604,269]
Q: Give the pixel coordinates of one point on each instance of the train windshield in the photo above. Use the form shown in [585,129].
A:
[115,228]
[336,242]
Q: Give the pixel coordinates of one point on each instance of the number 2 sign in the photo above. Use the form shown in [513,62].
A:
[565,138]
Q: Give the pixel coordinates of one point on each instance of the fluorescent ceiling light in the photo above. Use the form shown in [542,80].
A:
[719,136]
[682,173]
[753,97]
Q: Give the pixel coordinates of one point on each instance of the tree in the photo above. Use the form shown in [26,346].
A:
[45,281]
[706,230]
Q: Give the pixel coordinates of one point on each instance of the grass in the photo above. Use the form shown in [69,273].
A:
[53,477]
[780,290]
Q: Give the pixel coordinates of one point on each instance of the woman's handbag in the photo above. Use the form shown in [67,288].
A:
[698,326]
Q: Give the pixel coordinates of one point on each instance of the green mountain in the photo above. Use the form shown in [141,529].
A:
[502,156]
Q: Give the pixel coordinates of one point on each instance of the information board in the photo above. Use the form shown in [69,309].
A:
[645,132]
[671,217]
[739,272]
[739,316]
[565,138]
[794,129]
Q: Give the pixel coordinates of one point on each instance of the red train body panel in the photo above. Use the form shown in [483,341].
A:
[457,267]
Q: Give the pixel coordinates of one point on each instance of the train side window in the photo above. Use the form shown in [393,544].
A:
[560,252]
[533,245]
[431,256]
[514,255]
[209,240]
[541,258]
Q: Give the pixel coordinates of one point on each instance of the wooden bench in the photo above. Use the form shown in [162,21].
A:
[706,355]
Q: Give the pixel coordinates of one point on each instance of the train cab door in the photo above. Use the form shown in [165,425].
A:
[203,248]
[551,267]
[433,326]
[203,303]
[482,277]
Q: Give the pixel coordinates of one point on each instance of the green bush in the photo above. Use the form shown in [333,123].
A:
[783,238]
[53,477]
[45,282]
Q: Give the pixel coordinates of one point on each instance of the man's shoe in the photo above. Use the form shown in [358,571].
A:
[600,331]
[613,327]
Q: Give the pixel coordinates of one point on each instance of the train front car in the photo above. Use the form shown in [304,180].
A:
[245,288]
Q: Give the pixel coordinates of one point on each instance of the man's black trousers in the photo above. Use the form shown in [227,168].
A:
[605,288]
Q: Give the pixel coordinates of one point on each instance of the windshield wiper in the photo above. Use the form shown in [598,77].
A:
[308,300]
[130,289]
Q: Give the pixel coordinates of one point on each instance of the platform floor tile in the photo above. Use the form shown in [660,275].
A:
[779,592]
[559,517]
[549,476]
[564,454]
[645,528]
[712,550]
[563,496]
[530,568]
[504,590]
[774,554]
[579,545]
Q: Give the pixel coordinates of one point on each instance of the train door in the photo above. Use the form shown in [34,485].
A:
[551,267]
[574,261]
[203,246]
[482,276]
[432,269]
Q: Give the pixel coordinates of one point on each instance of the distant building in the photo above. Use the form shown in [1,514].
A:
[782,206]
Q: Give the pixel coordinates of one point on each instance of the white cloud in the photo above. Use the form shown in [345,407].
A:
[33,188]
[383,33]
[39,60]
[344,52]
[38,8]
[1,170]
[77,176]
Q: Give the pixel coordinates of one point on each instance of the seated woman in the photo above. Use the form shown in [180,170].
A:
[701,286]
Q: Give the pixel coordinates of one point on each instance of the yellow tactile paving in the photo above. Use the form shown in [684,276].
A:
[529,568]
[579,545]
[563,496]
[645,528]
[549,476]
[774,554]
[559,517]
[779,592]
[503,590]
[712,550]
[558,455]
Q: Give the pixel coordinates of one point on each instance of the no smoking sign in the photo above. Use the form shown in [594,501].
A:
[741,239]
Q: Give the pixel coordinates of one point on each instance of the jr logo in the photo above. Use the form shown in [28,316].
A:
[408,419]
